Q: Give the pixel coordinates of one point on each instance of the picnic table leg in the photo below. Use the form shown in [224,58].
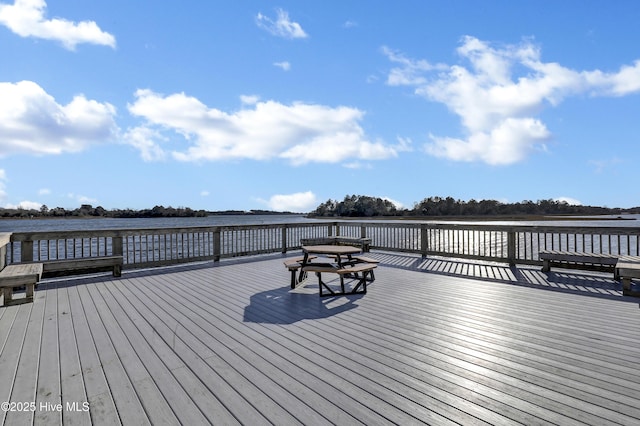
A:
[305,259]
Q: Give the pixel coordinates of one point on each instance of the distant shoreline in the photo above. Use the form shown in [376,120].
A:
[519,218]
[488,218]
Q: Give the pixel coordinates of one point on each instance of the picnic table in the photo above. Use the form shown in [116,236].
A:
[342,254]
[343,264]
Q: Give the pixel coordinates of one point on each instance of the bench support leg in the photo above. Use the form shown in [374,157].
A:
[545,265]
[362,283]
[329,292]
[29,291]
[295,279]
[8,295]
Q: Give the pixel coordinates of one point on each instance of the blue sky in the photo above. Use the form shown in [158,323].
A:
[283,105]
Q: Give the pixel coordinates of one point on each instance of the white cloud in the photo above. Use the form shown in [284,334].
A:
[300,202]
[44,191]
[357,165]
[410,72]
[204,193]
[27,205]
[398,204]
[249,99]
[282,26]
[506,143]
[31,121]
[608,165]
[81,199]
[568,200]
[144,139]
[285,66]
[499,95]
[350,24]
[27,19]
[300,133]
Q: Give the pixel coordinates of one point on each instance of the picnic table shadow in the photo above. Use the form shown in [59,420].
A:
[284,306]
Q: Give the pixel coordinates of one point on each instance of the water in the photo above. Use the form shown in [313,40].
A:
[76,224]
[81,224]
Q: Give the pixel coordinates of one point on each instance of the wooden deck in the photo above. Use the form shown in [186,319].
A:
[433,341]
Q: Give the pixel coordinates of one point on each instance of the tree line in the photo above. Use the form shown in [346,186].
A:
[365,206]
[87,211]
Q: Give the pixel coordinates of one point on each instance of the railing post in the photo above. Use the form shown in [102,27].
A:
[5,244]
[363,231]
[217,236]
[330,229]
[284,239]
[116,246]
[511,247]
[26,251]
[424,240]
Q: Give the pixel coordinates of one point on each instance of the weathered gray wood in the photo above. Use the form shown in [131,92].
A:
[159,361]
[127,399]
[577,260]
[11,352]
[25,382]
[48,392]
[19,275]
[122,352]
[95,381]
[73,393]
[438,342]
[627,270]
[52,267]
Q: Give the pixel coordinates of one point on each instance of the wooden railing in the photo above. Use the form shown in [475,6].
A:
[164,246]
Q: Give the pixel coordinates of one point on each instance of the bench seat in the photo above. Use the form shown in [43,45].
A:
[361,272]
[58,267]
[627,270]
[18,275]
[578,260]
[294,264]
[363,243]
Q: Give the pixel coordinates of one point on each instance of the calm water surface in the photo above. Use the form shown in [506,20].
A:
[71,224]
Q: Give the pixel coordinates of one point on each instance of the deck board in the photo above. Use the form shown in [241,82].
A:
[433,341]
[99,397]
[128,403]
[25,380]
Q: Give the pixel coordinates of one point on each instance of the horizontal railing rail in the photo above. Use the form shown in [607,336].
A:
[165,246]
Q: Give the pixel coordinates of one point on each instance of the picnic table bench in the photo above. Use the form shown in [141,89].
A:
[361,272]
[294,264]
[363,243]
[19,275]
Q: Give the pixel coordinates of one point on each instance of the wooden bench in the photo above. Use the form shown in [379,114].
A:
[18,275]
[578,260]
[294,264]
[359,259]
[628,270]
[54,268]
[362,272]
[363,243]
